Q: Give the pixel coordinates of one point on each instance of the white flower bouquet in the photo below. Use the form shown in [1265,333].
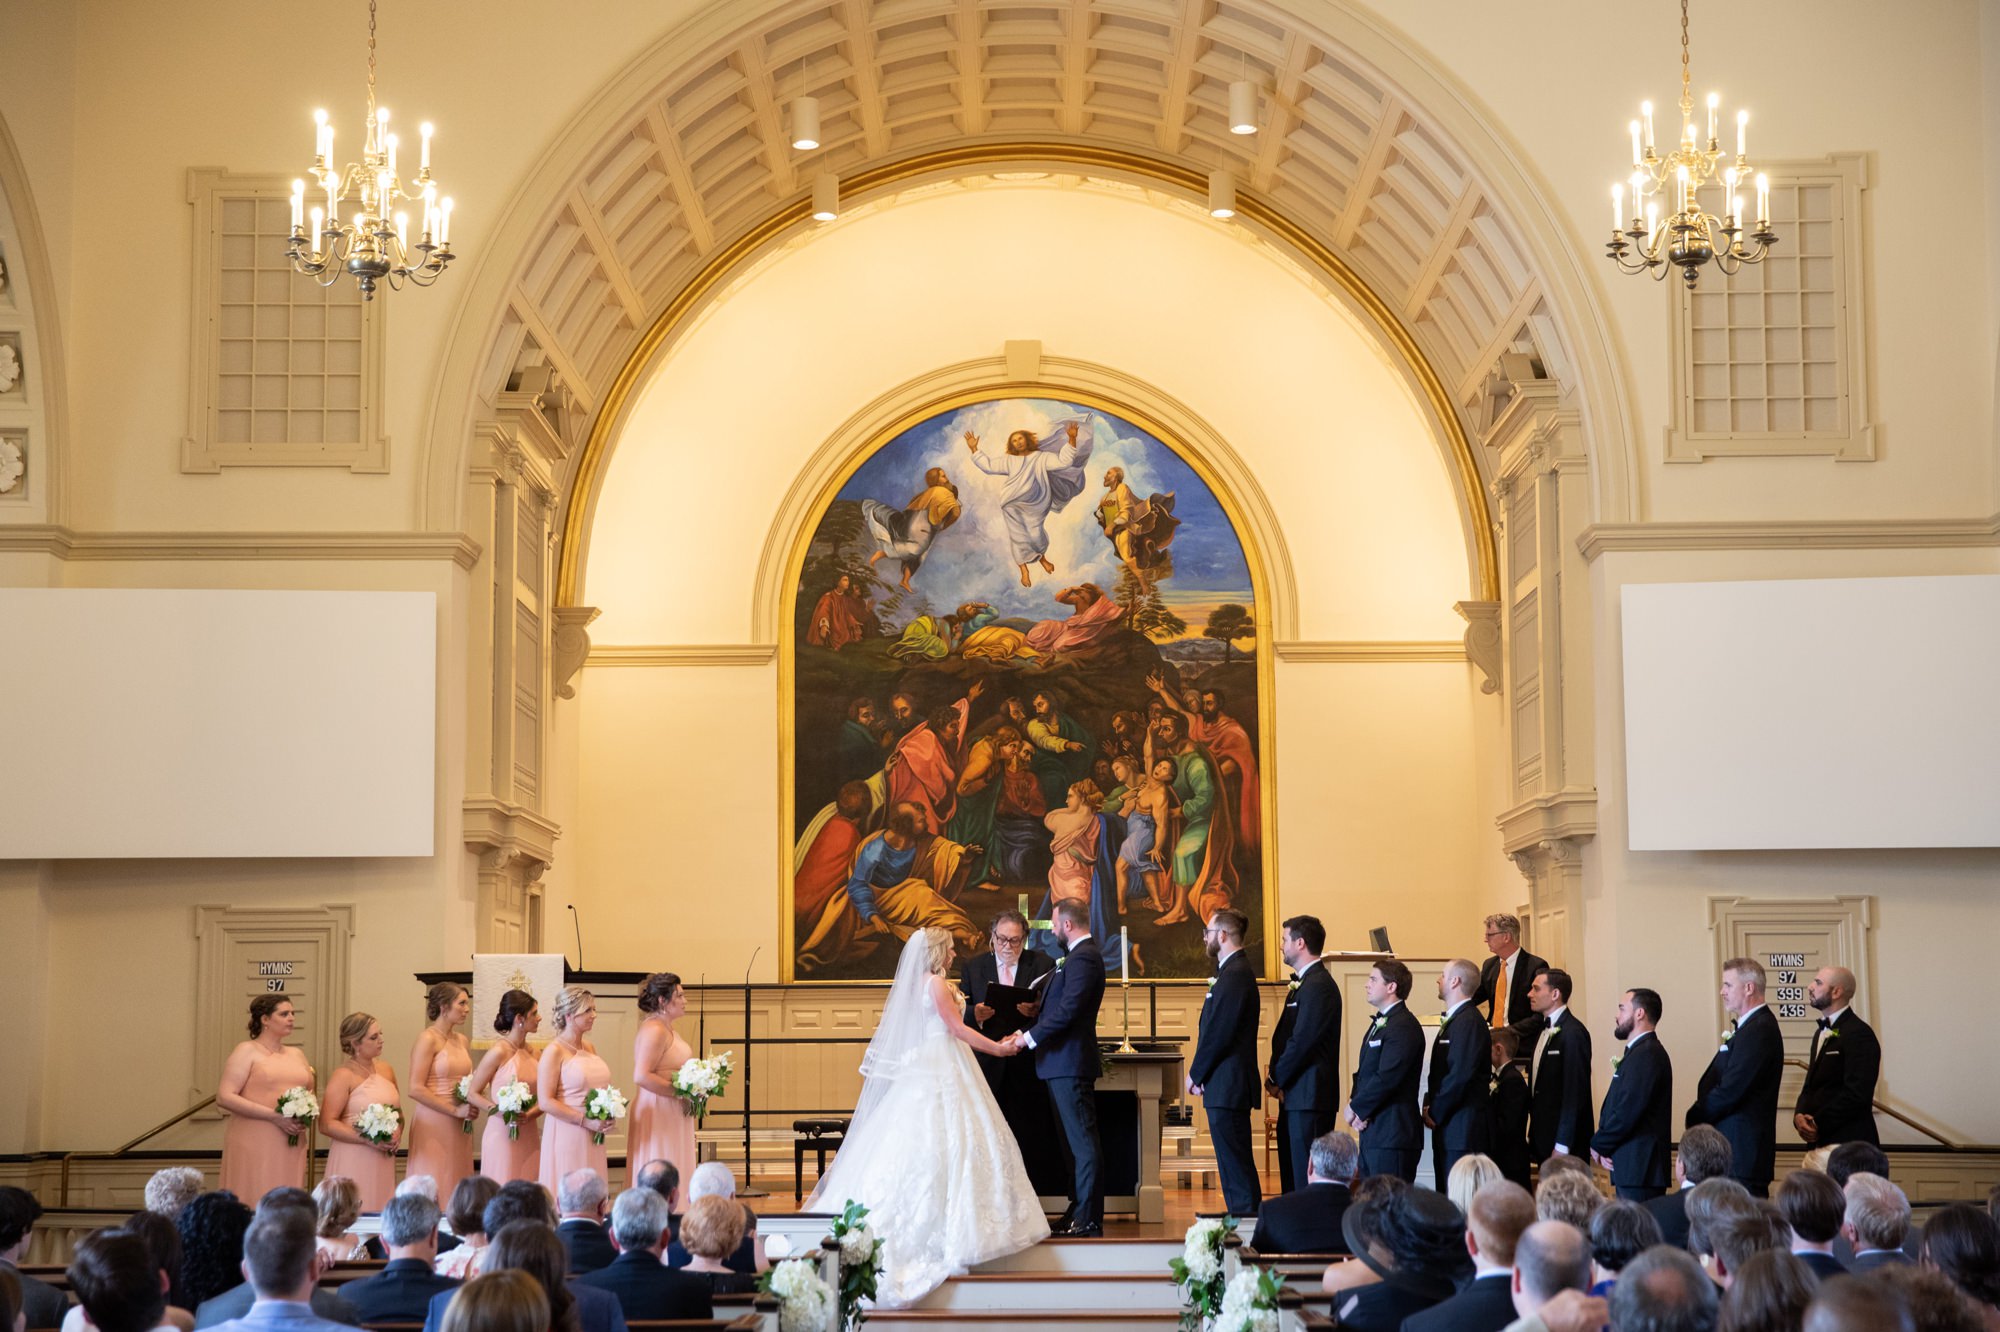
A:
[860,1261]
[301,1107]
[1250,1302]
[700,1079]
[1198,1270]
[379,1123]
[605,1103]
[461,1094]
[806,1303]
[510,1103]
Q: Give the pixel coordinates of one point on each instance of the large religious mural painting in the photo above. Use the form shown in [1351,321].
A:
[1024,668]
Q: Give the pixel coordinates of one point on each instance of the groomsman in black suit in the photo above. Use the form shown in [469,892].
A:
[1507,1100]
[1223,1071]
[1837,1103]
[1559,1097]
[1064,1039]
[1383,1105]
[1023,1101]
[1504,979]
[1305,1052]
[1637,1121]
[1738,1093]
[1455,1104]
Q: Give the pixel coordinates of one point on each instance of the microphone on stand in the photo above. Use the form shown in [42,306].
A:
[701,1037]
[576,919]
[748,1190]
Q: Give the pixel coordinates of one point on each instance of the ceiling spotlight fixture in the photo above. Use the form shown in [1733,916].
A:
[1243,107]
[805,124]
[826,196]
[1221,194]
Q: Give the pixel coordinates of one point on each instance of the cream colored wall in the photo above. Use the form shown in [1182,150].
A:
[1937,911]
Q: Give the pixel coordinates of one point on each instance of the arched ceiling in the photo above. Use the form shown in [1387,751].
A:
[692,166]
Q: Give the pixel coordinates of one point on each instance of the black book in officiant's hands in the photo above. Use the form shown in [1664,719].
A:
[1007,1017]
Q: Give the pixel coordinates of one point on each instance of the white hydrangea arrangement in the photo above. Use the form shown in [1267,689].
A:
[701,1079]
[510,1103]
[1198,1271]
[461,1094]
[806,1303]
[1250,1302]
[603,1103]
[301,1107]
[860,1261]
[379,1123]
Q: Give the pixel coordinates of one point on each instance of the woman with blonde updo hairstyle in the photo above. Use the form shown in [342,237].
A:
[364,1078]
[509,1301]
[569,1071]
[339,1202]
[439,1128]
[661,1127]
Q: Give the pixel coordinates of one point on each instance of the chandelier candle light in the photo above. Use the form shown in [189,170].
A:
[1690,237]
[374,243]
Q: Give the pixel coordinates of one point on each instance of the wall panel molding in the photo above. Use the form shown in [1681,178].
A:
[1856,534]
[67,543]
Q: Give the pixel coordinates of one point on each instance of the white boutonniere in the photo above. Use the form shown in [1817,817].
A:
[1616,1060]
[1292,986]
[1380,1020]
[1061,962]
[1494,1084]
[1212,980]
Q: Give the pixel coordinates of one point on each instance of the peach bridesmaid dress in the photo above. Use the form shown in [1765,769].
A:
[255,1159]
[439,1145]
[660,1127]
[502,1159]
[372,1170]
[567,1146]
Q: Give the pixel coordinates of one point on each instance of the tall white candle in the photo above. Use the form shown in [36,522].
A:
[1742,130]
[1124,957]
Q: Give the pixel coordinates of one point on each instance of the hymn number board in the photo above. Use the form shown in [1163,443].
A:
[1793,940]
[245,953]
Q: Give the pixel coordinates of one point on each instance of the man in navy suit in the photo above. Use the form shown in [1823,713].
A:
[1837,1102]
[278,1258]
[401,1292]
[1308,1220]
[1559,1099]
[1383,1105]
[1023,1101]
[1223,1071]
[1064,1039]
[1814,1207]
[647,1288]
[1876,1222]
[1305,1051]
[1638,1117]
[1455,1105]
[1500,1214]
[1739,1092]
[580,1195]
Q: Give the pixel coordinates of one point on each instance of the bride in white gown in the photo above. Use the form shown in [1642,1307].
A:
[927,1152]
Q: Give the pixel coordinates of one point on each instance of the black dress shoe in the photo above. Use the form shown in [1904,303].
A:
[1083,1230]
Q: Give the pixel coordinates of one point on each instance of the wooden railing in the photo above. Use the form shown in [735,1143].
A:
[1882,1108]
[62,1192]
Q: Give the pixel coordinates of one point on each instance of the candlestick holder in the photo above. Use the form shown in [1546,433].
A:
[1125,1046]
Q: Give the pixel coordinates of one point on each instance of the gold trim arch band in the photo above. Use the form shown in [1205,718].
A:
[586,477]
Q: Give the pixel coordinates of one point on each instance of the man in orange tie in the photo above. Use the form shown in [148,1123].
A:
[1504,979]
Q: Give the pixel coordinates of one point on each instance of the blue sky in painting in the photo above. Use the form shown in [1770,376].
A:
[970,561]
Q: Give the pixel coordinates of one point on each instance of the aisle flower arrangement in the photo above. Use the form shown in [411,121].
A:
[607,1103]
[1250,1302]
[301,1107]
[1198,1271]
[805,1303]
[860,1262]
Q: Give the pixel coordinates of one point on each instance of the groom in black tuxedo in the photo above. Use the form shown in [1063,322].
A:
[1024,1102]
[1064,1039]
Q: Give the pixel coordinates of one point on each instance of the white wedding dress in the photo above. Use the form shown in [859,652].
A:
[928,1152]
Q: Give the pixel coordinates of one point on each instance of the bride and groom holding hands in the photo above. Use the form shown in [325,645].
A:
[928,1151]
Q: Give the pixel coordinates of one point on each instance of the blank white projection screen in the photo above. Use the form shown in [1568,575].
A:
[1857,712]
[170,723]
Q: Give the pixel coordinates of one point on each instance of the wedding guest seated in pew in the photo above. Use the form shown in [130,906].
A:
[234,1304]
[1569,1197]
[119,1282]
[581,1197]
[711,1231]
[284,1265]
[663,1178]
[172,1189]
[1813,1206]
[1963,1242]
[1496,1217]
[499,1302]
[711,1179]
[212,1227]
[517,1200]
[647,1288]
[531,1246]
[401,1292]
[163,1248]
[1307,1220]
[1619,1232]
[1347,1274]
[339,1202]
[422,1186]
[467,1215]
[1468,1175]
[1551,1273]
[41,1303]
[1418,1249]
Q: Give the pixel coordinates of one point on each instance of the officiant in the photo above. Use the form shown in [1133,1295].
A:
[1003,990]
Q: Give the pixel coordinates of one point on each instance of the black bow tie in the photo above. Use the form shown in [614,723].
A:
[1826,1024]
[1552,1024]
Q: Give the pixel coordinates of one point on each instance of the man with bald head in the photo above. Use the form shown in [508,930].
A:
[1551,1257]
[1837,1102]
[1455,1105]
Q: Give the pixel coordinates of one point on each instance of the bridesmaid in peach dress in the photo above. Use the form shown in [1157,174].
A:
[570,1069]
[503,1159]
[661,1128]
[440,1145]
[363,1079]
[255,1155]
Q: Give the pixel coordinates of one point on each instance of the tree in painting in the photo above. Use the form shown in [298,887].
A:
[1017,679]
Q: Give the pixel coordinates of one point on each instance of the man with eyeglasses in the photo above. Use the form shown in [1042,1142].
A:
[1504,978]
[1023,1097]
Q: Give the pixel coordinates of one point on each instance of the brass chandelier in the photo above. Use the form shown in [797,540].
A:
[370,244]
[1689,238]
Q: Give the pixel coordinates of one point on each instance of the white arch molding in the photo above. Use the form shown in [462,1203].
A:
[679,168]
